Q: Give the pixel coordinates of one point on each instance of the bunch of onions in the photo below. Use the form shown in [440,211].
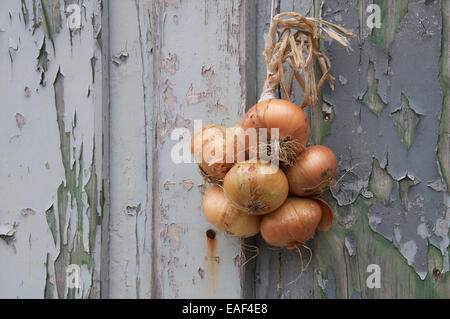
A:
[291,121]
[257,187]
[220,213]
[253,183]
[296,221]
[313,172]
[216,149]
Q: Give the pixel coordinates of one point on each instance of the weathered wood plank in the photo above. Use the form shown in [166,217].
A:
[392,207]
[184,63]
[130,226]
[274,269]
[51,171]
[204,82]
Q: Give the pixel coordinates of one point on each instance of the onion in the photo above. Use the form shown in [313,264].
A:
[294,223]
[291,121]
[313,172]
[219,212]
[216,149]
[327,215]
[256,187]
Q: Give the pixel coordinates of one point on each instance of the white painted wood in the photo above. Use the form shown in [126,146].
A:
[36,189]
[173,62]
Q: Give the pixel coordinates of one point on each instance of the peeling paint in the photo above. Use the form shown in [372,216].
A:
[7,230]
[20,120]
[174,236]
[193,97]
[187,184]
[396,133]
[170,64]
[168,185]
[28,211]
[350,245]
[371,98]
[406,121]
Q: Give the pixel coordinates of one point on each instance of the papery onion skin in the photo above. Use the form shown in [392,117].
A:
[327,215]
[313,172]
[294,223]
[210,145]
[220,213]
[289,118]
[257,187]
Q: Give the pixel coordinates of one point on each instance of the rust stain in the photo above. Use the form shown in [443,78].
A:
[212,260]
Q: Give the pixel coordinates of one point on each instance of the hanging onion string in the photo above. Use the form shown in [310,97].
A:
[298,46]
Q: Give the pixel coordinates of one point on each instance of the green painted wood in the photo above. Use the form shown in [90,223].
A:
[345,252]
[385,214]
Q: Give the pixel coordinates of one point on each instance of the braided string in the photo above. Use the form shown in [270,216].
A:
[298,46]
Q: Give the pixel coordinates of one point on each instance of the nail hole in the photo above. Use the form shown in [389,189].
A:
[211,234]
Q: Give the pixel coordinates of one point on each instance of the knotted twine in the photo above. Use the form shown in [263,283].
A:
[298,46]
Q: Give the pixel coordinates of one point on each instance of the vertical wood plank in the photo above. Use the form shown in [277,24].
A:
[51,168]
[197,75]
[173,63]
[131,208]
[269,274]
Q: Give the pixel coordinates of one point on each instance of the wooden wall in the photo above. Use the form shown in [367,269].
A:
[87,122]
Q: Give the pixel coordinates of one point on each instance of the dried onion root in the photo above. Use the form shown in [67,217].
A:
[291,123]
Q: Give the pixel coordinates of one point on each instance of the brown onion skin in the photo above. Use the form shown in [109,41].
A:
[313,171]
[276,113]
[327,215]
[294,223]
[220,213]
[257,187]
[213,138]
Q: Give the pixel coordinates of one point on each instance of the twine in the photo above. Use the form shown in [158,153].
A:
[298,46]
